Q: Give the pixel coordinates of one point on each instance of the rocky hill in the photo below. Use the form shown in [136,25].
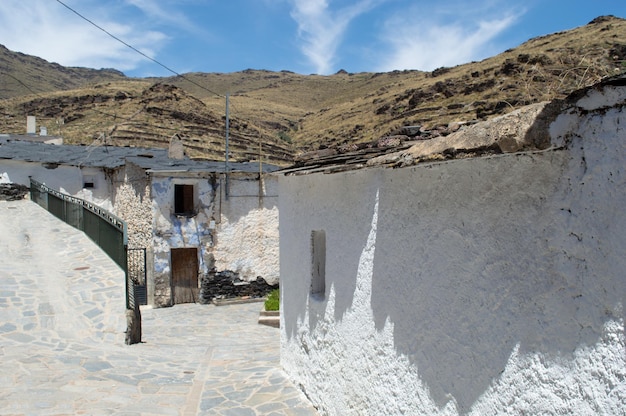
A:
[22,74]
[282,114]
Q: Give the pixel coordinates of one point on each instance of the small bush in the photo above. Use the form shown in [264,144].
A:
[284,137]
[272,303]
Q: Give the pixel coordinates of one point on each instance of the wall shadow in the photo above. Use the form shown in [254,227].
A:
[482,260]
[347,227]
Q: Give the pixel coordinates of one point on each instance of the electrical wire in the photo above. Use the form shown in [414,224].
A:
[133,49]
[21,83]
[138,51]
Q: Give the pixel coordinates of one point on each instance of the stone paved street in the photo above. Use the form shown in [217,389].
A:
[62,348]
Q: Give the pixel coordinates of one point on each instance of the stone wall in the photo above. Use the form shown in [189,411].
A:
[482,286]
[228,285]
[13,191]
[247,236]
[180,231]
[132,202]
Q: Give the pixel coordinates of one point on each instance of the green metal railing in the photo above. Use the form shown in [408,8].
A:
[102,227]
[137,274]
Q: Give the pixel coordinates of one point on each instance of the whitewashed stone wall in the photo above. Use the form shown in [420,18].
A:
[64,178]
[132,202]
[175,231]
[481,286]
[247,239]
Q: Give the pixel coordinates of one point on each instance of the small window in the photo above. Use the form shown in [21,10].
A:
[89,182]
[318,263]
[183,199]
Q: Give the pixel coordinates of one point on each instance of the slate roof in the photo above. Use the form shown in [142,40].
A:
[522,130]
[113,157]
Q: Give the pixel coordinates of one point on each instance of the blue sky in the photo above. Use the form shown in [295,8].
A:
[303,36]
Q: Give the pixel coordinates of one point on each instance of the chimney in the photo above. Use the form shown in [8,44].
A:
[31,125]
[176,149]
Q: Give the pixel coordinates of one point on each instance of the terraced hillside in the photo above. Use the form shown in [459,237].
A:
[280,114]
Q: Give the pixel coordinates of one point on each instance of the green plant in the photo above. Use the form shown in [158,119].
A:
[272,303]
[284,137]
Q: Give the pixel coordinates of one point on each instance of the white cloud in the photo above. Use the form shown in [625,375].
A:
[169,14]
[419,40]
[48,30]
[321,29]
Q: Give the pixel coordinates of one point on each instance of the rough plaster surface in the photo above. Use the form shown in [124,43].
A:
[247,239]
[249,246]
[174,231]
[66,179]
[478,286]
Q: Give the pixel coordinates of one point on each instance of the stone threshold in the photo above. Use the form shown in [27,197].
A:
[270,318]
[236,301]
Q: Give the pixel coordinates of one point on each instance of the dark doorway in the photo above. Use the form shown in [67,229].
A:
[184,275]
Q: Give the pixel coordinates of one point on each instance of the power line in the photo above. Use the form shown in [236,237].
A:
[20,82]
[138,51]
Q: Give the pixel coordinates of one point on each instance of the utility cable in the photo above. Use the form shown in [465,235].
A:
[138,51]
[20,82]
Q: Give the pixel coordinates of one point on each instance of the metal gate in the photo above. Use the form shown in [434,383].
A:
[137,274]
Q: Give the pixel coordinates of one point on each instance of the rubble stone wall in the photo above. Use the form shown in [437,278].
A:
[133,204]
[247,236]
[180,231]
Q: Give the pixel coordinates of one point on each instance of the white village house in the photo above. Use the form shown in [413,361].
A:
[180,210]
[482,273]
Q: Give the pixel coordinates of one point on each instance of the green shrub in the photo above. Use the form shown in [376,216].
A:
[272,303]
[284,137]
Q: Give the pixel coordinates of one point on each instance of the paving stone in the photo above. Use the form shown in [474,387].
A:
[63,350]
[8,328]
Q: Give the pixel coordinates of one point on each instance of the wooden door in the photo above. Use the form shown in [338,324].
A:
[184,275]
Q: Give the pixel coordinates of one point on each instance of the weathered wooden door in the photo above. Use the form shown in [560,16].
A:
[184,275]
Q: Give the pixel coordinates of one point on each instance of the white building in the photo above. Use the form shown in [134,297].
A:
[175,208]
[484,275]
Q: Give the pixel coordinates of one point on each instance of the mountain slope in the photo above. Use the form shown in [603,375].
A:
[22,74]
[539,70]
[283,113]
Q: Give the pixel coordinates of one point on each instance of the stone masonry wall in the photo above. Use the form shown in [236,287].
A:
[132,203]
[247,236]
[179,231]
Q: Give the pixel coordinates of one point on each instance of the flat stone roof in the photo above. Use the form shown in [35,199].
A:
[112,157]
[523,130]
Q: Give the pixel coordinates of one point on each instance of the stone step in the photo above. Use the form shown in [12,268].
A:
[270,318]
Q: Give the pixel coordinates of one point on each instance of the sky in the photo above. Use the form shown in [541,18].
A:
[302,36]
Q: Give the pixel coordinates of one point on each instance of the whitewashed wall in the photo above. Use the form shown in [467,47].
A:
[480,286]
[175,231]
[63,178]
[247,238]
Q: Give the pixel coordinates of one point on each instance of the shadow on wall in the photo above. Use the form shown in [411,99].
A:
[345,240]
[475,257]
[476,267]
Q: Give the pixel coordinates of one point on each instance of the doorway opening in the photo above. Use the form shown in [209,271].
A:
[184,263]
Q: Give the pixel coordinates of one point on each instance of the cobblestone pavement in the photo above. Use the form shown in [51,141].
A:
[62,346]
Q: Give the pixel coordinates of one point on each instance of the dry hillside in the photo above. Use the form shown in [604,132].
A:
[284,113]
